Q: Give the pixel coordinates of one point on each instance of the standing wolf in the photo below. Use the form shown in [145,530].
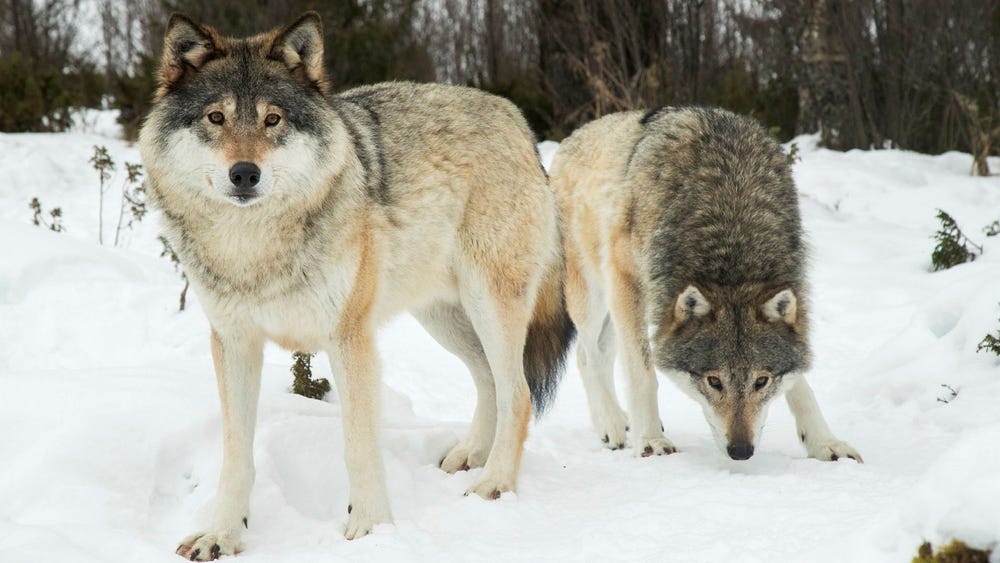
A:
[308,220]
[684,250]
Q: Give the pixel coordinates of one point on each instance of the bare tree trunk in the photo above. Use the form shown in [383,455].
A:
[980,131]
[823,98]
[494,39]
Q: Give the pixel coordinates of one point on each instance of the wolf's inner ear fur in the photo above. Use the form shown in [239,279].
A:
[691,304]
[781,307]
[300,47]
[186,46]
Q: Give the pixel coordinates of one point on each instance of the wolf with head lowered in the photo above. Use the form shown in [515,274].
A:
[308,220]
[684,252]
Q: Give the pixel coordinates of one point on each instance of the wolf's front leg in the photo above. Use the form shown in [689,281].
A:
[237,359]
[814,433]
[356,372]
[628,311]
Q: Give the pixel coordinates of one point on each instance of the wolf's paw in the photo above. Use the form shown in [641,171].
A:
[490,489]
[647,447]
[361,522]
[209,546]
[462,457]
[612,427]
[832,450]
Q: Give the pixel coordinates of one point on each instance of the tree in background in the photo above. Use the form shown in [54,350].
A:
[131,32]
[41,78]
[865,73]
[970,76]
[365,41]
[488,44]
[611,55]
[827,100]
[901,73]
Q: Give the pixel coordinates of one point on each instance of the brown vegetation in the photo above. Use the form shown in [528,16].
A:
[865,73]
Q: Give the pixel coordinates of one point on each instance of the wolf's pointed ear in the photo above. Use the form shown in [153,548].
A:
[300,47]
[781,307]
[186,47]
[691,304]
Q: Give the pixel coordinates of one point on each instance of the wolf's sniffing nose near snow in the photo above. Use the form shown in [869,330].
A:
[308,220]
[684,252]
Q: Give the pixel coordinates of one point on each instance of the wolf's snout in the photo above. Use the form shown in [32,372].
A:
[244,174]
[740,451]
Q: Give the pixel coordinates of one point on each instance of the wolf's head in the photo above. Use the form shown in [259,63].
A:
[734,350]
[241,120]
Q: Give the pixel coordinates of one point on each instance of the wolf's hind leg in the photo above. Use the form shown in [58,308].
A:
[813,431]
[450,326]
[500,317]
[595,355]
[237,360]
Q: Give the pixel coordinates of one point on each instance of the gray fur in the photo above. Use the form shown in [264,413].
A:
[687,220]
[728,223]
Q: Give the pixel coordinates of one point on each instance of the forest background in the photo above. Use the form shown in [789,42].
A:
[922,75]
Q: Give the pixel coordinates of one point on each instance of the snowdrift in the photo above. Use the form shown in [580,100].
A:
[110,441]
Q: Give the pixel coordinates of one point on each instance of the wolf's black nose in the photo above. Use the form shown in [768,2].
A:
[740,451]
[244,174]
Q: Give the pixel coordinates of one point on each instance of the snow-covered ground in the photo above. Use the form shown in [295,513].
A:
[110,427]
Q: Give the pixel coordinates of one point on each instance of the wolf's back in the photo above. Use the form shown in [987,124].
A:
[466,126]
[730,209]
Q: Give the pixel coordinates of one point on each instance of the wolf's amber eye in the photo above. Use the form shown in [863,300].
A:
[272,119]
[715,382]
[761,382]
[217,118]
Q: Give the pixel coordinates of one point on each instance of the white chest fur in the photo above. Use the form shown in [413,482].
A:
[303,318]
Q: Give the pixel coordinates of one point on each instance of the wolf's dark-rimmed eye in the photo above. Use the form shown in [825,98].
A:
[272,119]
[216,118]
[761,382]
[714,382]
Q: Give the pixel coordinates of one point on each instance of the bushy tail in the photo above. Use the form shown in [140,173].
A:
[549,335]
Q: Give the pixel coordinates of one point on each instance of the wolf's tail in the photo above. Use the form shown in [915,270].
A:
[549,335]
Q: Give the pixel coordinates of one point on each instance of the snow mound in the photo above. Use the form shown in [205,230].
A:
[957,497]
[110,433]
